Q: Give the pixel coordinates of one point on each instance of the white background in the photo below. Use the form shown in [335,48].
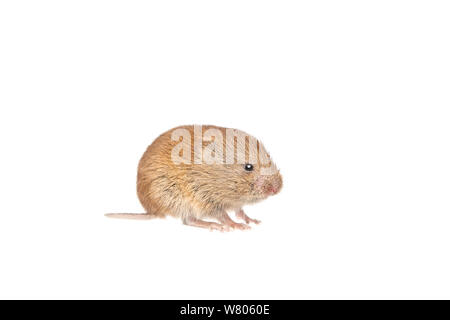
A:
[351,98]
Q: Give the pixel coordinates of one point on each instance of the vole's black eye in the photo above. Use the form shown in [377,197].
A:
[248,167]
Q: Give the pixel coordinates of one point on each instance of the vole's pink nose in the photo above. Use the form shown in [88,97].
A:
[271,189]
[270,185]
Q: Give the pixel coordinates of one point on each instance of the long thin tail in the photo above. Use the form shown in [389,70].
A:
[142,216]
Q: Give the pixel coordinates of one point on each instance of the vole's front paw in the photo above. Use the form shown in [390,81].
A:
[240,226]
[253,221]
[241,215]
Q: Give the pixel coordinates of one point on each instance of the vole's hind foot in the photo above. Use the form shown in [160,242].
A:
[205,224]
[241,215]
[226,220]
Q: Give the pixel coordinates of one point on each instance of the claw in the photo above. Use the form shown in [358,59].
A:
[241,215]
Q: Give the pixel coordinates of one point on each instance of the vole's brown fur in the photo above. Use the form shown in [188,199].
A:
[194,192]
